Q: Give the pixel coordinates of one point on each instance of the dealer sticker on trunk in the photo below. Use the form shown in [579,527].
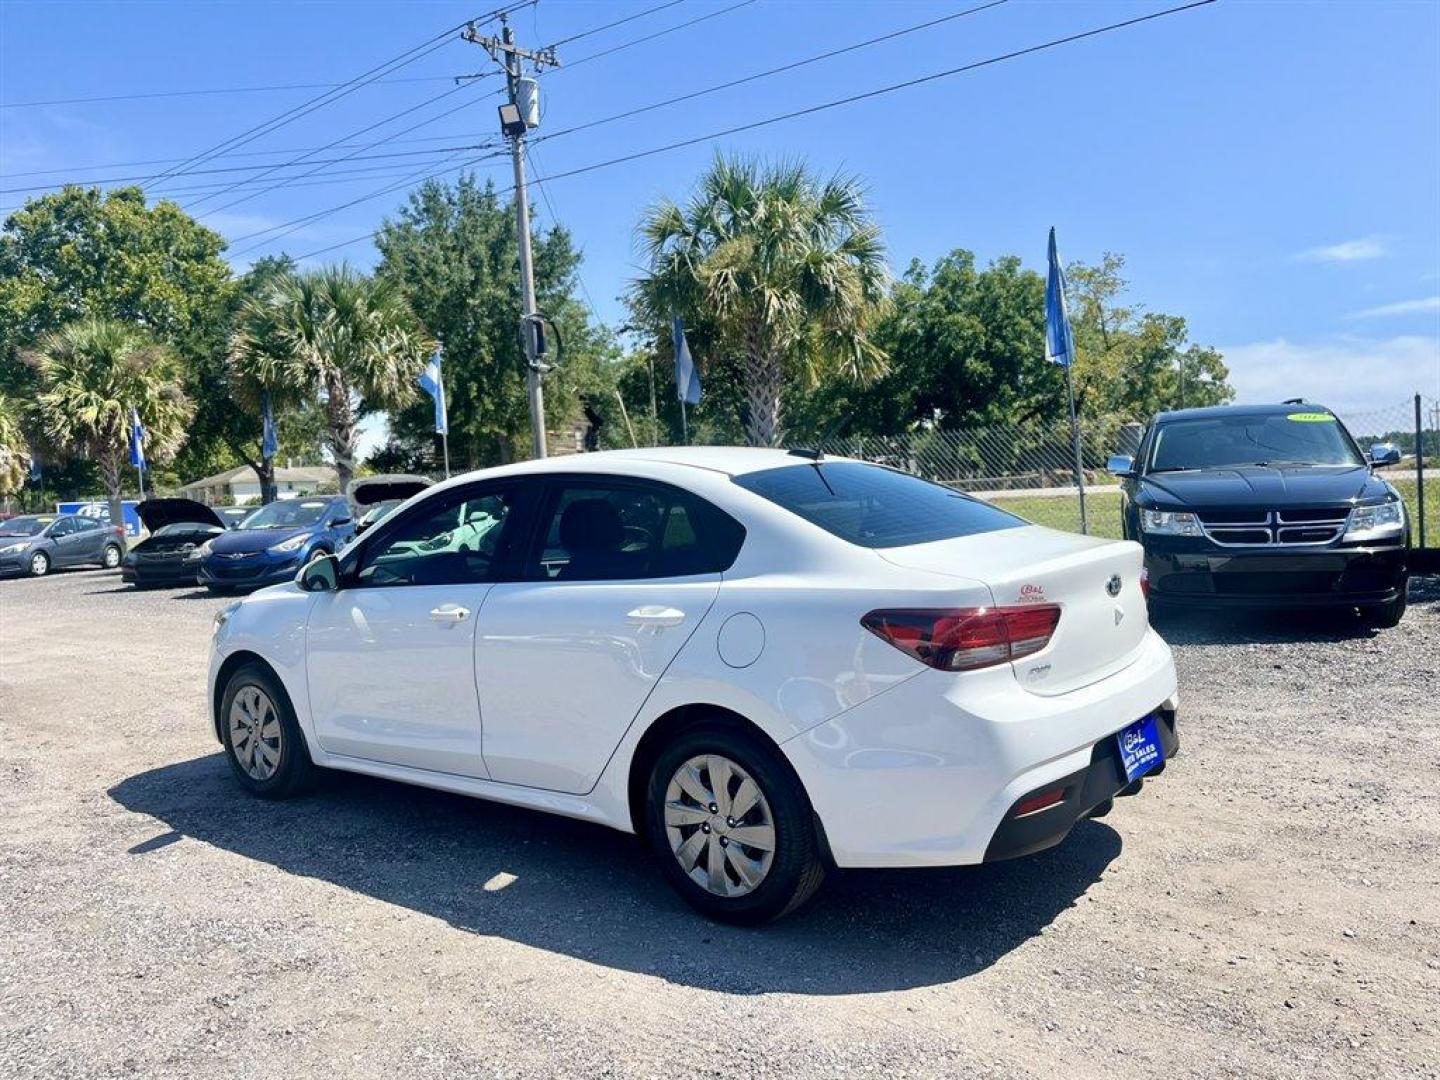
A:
[1140,747]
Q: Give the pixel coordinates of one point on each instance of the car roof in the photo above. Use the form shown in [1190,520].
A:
[728,460]
[1212,411]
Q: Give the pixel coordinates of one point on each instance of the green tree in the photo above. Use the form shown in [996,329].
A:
[92,374]
[349,340]
[14,448]
[1130,362]
[452,250]
[778,271]
[79,253]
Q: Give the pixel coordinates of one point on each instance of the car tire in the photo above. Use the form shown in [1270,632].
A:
[263,743]
[795,866]
[1386,616]
[111,557]
[39,564]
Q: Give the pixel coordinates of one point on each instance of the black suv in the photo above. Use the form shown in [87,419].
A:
[1270,505]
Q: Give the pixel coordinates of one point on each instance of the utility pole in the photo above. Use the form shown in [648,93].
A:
[517,116]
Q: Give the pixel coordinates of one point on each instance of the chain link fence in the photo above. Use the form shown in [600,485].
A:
[1030,467]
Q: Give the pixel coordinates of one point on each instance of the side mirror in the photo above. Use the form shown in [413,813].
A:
[1121,465]
[320,574]
[1384,454]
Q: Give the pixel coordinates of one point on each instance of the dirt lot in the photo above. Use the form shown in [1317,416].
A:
[1269,907]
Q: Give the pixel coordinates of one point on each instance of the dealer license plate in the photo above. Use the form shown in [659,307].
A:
[1140,747]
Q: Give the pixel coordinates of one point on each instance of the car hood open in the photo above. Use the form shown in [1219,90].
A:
[157,513]
[369,490]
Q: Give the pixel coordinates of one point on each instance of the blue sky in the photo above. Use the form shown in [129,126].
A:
[1270,170]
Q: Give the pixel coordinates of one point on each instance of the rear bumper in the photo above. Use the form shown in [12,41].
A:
[1197,575]
[1085,789]
[925,773]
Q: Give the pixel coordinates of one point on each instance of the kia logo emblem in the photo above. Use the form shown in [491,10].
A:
[1113,585]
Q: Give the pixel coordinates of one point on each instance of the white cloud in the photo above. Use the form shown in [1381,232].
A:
[1369,247]
[1347,373]
[1403,307]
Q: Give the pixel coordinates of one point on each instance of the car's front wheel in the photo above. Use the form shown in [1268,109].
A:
[39,564]
[732,827]
[263,743]
[1385,616]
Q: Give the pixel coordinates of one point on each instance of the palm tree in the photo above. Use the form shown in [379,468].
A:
[787,269]
[350,340]
[14,454]
[92,373]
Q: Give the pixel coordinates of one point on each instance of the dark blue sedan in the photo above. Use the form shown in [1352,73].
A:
[273,543]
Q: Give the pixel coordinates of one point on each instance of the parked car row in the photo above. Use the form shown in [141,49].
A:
[188,543]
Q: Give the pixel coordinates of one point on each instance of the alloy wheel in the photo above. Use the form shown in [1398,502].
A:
[255,732]
[112,557]
[39,564]
[719,825]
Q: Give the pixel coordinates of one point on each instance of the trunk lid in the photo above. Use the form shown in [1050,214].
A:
[1099,633]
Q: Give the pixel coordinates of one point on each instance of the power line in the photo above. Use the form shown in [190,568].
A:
[273,88]
[612,25]
[658,34]
[772,71]
[289,116]
[836,103]
[555,220]
[289,227]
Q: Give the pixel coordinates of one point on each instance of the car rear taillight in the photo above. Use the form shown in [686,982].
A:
[963,639]
[117,530]
[1145,583]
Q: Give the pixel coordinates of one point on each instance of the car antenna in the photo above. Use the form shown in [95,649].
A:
[1293,401]
[806,452]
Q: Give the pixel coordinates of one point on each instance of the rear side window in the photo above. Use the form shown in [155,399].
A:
[875,507]
[598,531]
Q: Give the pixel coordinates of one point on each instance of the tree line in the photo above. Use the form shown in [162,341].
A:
[779,276]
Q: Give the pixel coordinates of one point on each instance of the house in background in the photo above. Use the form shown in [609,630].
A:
[241,487]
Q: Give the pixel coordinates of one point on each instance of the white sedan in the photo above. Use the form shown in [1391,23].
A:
[765,663]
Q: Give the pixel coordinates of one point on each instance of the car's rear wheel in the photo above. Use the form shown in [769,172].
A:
[111,559]
[732,827]
[1385,616]
[263,743]
[39,564]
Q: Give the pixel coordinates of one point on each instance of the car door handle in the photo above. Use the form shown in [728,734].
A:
[656,615]
[450,613]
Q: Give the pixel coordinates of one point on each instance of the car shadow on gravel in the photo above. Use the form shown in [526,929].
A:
[590,892]
[1250,627]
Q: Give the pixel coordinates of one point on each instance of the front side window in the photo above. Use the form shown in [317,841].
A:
[621,532]
[1303,437]
[286,514]
[875,507]
[453,540]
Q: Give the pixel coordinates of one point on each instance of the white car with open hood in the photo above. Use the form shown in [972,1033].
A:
[765,663]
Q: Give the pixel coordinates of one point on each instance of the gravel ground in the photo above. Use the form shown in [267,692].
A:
[1267,908]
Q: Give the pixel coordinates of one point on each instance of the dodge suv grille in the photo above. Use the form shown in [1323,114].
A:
[1288,527]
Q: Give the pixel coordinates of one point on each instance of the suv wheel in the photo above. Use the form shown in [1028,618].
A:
[731,826]
[263,743]
[1385,616]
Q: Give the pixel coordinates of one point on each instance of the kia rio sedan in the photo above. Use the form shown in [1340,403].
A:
[765,664]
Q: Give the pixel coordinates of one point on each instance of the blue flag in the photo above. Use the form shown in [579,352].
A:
[269,437]
[1059,343]
[433,384]
[137,440]
[687,379]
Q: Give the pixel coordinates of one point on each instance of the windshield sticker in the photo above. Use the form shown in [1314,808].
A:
[1311,418]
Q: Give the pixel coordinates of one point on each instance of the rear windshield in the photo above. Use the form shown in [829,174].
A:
[875,507]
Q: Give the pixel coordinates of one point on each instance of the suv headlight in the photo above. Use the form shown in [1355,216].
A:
[1378,521]
[293,544]
[1170,523]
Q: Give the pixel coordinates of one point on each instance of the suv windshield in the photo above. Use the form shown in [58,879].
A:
[24,526]
[286,514]
[1218,442]
[875,507]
